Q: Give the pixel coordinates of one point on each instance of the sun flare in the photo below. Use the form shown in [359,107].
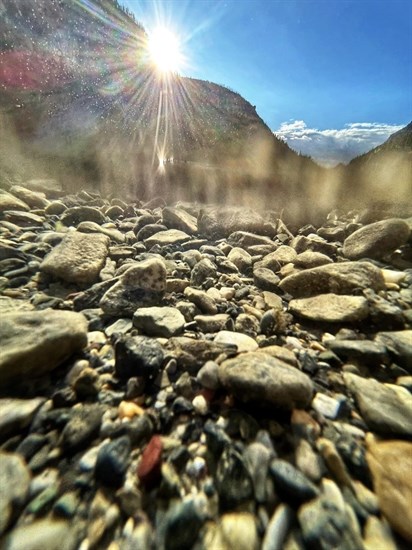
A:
[164,50]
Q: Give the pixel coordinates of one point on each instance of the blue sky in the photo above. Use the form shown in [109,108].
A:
[333,77]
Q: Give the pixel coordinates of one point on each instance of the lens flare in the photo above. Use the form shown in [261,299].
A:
[164,50]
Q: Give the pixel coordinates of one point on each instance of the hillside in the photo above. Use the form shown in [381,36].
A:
[87,107]
[384,174]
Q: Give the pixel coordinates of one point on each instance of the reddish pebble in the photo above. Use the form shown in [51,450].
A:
[207,394]
[149,468]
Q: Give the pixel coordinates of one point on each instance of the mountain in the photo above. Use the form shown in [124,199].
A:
[84,104]
[383,175]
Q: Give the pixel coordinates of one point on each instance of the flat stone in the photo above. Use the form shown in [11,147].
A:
[282,255]
[191,354]
[14,487]
[33,198]
[243,342]
[159,321]
[77,214]
[16,414]
[399,345]
[79,258]
[384,410]
[376,240]
[201,299]
[365,350]
[337,278]
[168,237]
[212,323]
[12,305]
[291,484]
[93,227]
[260,378]
[309,259]
[391,465]
[35,342]
[245,239]
[141,285]
[218,221]
[331,308]
[10,202]
[177,218]
[314,243]
[265,279]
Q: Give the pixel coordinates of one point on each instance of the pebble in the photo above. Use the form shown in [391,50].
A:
[384,410]
[263,379]
[143,284]
[227,429]
[112,462]
[14,489]
[159,321]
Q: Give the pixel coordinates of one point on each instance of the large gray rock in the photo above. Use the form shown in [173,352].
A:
[338,278]
[222,221]
[35,342]
[260,378]
[14,487]
[142,285]
[399,344]
[159,321]
[384,409]
[176,218]
[33,198]
[331,308]
[78,258]
[376,240]
[10,202]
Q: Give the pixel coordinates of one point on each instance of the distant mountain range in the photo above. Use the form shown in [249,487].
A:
[79,100]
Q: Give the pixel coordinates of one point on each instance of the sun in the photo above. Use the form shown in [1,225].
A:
[164,50]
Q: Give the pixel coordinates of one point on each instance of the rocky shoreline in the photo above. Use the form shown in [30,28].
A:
[202,377]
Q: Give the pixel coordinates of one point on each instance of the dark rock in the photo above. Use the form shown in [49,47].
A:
[233,481]
[112,462]
[291,484]
[82,428]
[138,356]
[77,214]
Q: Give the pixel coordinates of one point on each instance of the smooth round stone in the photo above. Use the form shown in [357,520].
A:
[331,308]
[257,458]
[336,278]
[183,522]
[243,342]
[291,484]
[16,414]
[200,405]
[277,530]
[265,279]
[238,530]
[265,380]
[208,375]
[309,259]
[376,240]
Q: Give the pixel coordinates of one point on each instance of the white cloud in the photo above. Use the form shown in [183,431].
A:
[329,147]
